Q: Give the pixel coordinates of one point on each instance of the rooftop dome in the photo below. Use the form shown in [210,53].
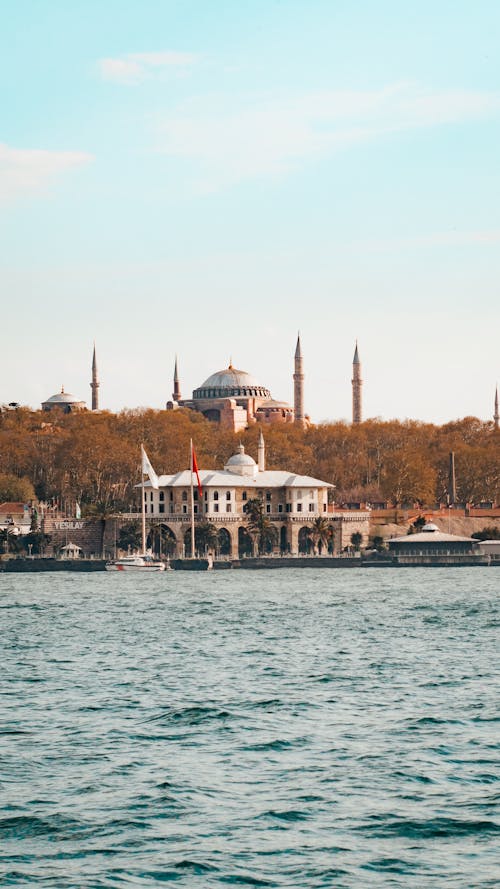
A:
[241,463]
[430,526]
[231,383]
[61,397]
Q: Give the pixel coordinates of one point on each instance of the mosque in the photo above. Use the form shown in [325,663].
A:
[235,399]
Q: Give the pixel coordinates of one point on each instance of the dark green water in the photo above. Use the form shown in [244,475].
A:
[282,729]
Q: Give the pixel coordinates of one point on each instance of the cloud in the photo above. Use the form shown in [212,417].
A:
[26,170]
[269,137]
[134,67]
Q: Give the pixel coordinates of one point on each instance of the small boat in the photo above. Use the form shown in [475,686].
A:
[136,563]
[142,561]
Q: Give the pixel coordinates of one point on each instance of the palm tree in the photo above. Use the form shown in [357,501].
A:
[264,534]
[320,533]
[206,537]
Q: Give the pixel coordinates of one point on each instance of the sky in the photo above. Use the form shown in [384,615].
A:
[204,178]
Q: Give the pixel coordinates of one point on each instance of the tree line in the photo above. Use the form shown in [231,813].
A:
[94,458]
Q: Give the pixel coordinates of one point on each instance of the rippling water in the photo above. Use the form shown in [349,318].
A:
[287,729]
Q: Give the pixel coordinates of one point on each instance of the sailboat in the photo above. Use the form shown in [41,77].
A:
[142,561]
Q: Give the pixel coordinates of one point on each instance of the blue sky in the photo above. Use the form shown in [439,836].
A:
[206,178]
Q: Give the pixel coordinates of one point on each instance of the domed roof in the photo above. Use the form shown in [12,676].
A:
[229,378]
[430,526]
[61,397]
[241,463]
[231,383]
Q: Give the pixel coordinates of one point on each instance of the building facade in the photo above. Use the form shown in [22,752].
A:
[293,504]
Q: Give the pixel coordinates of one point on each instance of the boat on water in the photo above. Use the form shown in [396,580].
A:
[138,562]
[143,561]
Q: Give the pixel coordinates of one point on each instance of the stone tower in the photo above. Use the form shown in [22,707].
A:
[95,384]
[298,385]
[357,385]
[262,453]
[176,394]
[496,415]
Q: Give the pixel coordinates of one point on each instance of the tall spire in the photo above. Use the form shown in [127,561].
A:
[262,453]
[357,385]
[95,383]
[176,394]
[496,415]
[298,385]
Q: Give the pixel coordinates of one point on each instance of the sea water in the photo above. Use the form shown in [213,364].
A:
[312,728]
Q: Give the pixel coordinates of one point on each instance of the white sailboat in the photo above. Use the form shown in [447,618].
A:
[142,561]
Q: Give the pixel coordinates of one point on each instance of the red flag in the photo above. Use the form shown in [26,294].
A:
[194,468]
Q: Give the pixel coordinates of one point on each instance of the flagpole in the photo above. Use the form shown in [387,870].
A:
[192,501]
[143,508]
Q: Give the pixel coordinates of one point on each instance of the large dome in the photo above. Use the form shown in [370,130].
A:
[231,383]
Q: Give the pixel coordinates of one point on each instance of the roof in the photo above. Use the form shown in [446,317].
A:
[62,397]
[431,537]
[11,507]
[220,478]
[229,378]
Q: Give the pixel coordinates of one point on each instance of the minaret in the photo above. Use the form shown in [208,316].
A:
[298,385]
[95,384]
[262,453]
[357,384]
[496,415]
[176,394]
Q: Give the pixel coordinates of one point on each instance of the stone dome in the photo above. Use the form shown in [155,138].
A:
[241,463]
[231,383]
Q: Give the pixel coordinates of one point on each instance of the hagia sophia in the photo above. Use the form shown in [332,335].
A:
[233,398]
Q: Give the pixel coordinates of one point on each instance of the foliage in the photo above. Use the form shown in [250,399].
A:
[130,537]
[94,457]
[15,489]
[357,539]
[489,532]
[260,527]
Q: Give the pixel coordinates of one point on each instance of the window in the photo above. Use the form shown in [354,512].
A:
[171,508]
[324,507]
[216,507]
[228,495]
[162,507]
[171,496]
[268,507]
[195,494]
[268,496]
[184,509]
[206,496]
[195,508]
[229,507]
[184,496]
[280,507]
[311,507]
[151,496]
[145,495]
[216,495]
[289,507]
[162,496]
[299,507]
[244,495]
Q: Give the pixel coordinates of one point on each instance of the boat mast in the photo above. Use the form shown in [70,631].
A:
[143,513]
[192,498]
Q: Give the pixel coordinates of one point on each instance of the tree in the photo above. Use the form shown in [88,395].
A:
[206,537]
[263,532]
[357,540]
[15,489]
[489,532]
[320,533]
[130,536]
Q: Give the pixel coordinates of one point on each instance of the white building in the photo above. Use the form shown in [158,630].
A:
[291,503]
